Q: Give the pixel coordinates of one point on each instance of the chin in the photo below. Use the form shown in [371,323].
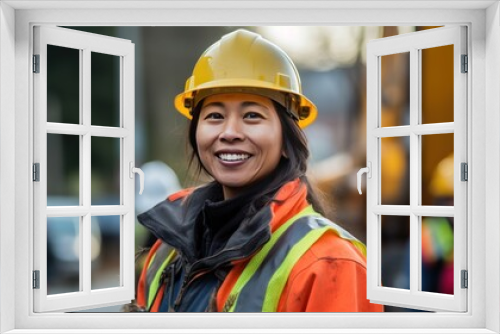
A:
[233,182]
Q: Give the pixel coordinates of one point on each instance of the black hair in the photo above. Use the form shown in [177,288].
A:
[289,168]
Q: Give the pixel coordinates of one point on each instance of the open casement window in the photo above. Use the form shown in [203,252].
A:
[72,210]
[417,133]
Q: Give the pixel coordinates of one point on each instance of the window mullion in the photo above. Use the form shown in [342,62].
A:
[85,254]
[414,174]
[85,166]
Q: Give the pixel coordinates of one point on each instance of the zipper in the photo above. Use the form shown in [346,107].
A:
[183,288]
[171,286]
[189,279]
[197,274]
[226,252]
[192,275]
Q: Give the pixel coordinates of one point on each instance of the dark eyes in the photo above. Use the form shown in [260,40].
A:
[248,115]
[214,115]
[252,115]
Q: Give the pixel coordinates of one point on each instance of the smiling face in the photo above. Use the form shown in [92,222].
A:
[239,139]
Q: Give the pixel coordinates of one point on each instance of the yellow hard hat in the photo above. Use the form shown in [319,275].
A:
[245,62]
[442,178]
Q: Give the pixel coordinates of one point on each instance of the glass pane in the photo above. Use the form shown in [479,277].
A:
[395,232]
[395,180]
[63,255]
[437,84]
[395,89]
[105,252]
[437,254]
[105,156]
[437,169]
[63,170]
[105,74]
[63,85]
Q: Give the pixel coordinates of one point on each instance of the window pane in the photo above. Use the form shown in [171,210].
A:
[437,254]
[395,231]
[437,84]
[395,181]
[63,255]
[395,89]
[437,169]
[105,156]
[63,85]
[63,170]
[105,73]
[105,252]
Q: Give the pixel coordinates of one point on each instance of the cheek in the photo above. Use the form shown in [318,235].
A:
[274,147]
[202,145]
[202,139]
[278,150]
[278,142]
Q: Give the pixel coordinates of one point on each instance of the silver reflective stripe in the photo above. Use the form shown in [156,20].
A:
[252,295]
[251,298]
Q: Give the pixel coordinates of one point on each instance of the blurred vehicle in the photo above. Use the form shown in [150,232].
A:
[63,246]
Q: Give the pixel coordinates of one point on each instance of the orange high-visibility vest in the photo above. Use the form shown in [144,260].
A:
[260,285]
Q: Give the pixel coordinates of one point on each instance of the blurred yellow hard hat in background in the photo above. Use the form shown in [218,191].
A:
[245,62]
[442,178]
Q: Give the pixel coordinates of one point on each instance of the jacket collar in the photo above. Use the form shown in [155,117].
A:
[174,221]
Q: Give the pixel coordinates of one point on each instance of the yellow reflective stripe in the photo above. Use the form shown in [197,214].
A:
[257,259]
[347,236]
[280,277]
[152,260]
[153,288]
[274,285]
[359,245]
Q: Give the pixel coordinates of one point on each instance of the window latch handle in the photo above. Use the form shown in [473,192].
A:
[368,171]
[141,175]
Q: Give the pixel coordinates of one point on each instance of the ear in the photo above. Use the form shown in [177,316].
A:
[284,155]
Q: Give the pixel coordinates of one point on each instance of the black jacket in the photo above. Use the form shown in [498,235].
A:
[208,234]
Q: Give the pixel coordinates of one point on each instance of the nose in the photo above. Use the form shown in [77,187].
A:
[232,130]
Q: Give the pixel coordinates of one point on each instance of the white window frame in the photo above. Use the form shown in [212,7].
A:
[413,44]
[85,43]
[16,21]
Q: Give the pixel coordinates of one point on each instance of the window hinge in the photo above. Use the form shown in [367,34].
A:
[465,64]
[36,172]
[464,172]
[465,279]
[36,279]
[36,63]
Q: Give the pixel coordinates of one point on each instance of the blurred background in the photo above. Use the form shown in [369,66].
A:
[332,66]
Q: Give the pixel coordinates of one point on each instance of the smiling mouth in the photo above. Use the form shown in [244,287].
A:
[230,157]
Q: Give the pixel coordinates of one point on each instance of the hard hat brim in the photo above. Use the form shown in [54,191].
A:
[241,86]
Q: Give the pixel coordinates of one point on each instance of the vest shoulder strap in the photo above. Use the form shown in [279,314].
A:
[161,258]
[260,285]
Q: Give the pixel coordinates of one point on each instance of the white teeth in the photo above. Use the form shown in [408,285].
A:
[233,157]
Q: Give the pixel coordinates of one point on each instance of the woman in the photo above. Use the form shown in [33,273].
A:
[253,239]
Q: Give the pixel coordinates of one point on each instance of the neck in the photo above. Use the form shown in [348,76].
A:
[229,192]
[232,192]
[257,186]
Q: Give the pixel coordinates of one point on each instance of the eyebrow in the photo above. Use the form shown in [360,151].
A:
[215,104]
[243,104]
[251,104]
